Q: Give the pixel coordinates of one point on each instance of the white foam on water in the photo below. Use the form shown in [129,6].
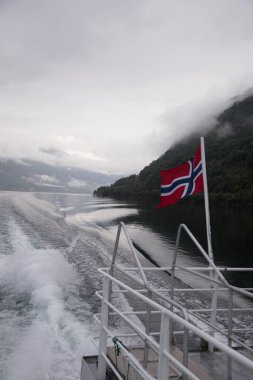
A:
[42,206]
[45,339]
[99,216]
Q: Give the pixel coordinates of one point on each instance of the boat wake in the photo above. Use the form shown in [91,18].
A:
[41,336]
[48,280]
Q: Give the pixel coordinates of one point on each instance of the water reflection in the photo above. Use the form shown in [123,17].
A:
[231,232]
[154,230]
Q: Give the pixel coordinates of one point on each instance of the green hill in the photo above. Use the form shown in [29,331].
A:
[229,161]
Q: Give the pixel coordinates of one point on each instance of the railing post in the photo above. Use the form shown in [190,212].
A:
[230,328]
[114,258]
[103,333]
[185,351]
[213,306]
[173,279]
[145,359]
[163,364]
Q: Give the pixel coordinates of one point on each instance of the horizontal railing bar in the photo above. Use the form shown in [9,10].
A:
[207,269]
[133,335]
[129,335]
[152,334]
[221,309]
[151,269]
[176,290]
[125,291]
[222,269]
[208,278]
[242,329]
[238,329]
[137,312]
[197,289]
[201,289]
[235,269]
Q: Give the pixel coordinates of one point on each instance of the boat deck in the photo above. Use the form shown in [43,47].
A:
[152,365]
[205,365]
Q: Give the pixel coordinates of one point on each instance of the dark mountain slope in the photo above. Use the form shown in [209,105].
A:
[229,159]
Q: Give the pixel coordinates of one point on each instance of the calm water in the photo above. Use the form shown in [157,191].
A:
[50,248]
[232,237]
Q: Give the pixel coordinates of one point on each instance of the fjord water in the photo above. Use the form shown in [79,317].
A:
[51,246]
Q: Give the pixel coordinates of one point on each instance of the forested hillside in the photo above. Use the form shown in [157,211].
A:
[229,160]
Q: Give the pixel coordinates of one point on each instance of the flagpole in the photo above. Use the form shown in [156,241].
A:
[209,241]
[208,225]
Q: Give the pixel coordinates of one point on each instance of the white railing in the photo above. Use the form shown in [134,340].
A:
[171,312]
[218,283]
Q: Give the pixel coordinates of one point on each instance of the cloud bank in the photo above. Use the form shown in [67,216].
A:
[109,86]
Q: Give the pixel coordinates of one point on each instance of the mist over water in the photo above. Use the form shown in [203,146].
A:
[51,246]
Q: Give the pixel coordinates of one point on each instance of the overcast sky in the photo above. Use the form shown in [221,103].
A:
[109,85]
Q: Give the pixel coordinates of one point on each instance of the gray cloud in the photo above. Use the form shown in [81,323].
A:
[109,85]
[179,122]
[52,151]
[224,131]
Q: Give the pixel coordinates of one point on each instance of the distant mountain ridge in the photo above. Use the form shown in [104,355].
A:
[29,175]
[229,160]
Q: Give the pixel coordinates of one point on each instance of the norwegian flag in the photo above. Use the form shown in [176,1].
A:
[184,180]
